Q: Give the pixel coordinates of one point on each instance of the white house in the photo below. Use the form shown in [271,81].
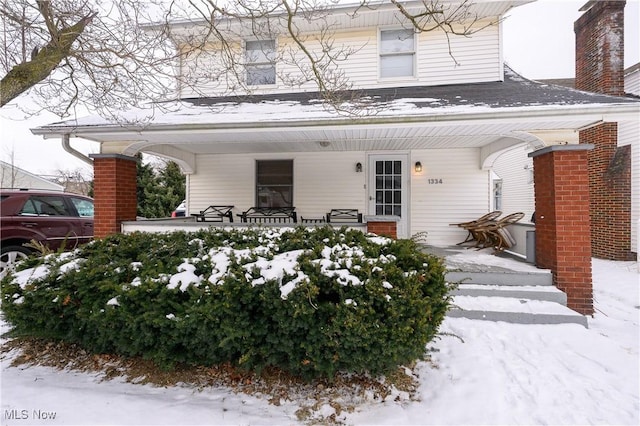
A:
[12,176]
[421,153]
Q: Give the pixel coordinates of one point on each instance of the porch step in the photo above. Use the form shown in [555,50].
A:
[511,296]
[504,278]
[533,292]
[512,310]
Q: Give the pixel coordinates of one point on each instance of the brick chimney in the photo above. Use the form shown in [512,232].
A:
[600,68]
[600,47]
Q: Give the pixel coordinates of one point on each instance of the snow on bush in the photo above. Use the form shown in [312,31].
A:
[312,301]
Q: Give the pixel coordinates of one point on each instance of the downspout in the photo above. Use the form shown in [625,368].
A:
[67,147]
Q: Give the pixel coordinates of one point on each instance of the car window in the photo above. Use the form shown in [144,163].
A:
[45,205]
[84,207]
[29,209]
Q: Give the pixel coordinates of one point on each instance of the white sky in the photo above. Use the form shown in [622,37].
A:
[539,42]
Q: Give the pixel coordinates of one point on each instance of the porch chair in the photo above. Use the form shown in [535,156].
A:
[344,215]
[214,214]
[269,215]
[472,225]
[496,235]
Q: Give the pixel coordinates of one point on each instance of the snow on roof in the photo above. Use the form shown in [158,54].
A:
[515,93]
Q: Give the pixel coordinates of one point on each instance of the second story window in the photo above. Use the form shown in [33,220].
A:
[397,53]
[260,62]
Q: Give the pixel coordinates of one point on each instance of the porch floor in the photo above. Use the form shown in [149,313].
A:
[472,260]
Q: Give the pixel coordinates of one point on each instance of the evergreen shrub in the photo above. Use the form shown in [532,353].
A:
[311,301]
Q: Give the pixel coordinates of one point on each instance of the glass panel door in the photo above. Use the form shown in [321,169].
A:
[388,188]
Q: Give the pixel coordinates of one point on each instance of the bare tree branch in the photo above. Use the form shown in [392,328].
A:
[25,75]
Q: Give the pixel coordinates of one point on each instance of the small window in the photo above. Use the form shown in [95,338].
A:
[397,53]
[497,194]
[260,62]
[274,183]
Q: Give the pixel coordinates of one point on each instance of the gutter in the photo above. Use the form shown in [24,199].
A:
[67,147]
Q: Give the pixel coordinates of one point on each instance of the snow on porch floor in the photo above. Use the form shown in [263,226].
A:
[484,260]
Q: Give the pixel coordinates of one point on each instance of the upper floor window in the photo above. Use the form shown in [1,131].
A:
[397,53]
[260,62]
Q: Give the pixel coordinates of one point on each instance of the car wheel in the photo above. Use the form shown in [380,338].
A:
[11,255]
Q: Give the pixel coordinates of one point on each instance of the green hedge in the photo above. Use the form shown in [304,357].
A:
[312,301]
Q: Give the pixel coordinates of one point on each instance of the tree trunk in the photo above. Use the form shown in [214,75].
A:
[27,74]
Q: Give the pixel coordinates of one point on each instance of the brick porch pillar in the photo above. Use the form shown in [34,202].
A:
[563,230]
[115,195]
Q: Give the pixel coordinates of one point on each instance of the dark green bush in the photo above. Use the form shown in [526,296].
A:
[312,301]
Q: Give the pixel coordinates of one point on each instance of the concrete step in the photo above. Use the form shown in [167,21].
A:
[514,310]
[514,278]
[532,292]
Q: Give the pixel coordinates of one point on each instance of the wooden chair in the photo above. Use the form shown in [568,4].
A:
[496,235]
[472,225]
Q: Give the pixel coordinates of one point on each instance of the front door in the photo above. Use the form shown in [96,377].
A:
[388,183]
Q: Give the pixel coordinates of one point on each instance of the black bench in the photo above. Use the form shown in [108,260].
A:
[313,219]
[344,215]
[214,214]
[269,215]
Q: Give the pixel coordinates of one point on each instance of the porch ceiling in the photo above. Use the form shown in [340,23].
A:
[400,136]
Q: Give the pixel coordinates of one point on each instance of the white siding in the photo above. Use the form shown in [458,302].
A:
[515,169]
[321,181]
[477,59]
[629,134]
[463,194]
[632,82]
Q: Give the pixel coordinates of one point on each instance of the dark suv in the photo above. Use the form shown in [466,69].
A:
[55,219]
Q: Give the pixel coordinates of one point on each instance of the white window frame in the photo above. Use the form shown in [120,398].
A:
[265,63]
[498,191]
[401,53]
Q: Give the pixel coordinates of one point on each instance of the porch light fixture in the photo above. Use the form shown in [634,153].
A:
[417,167]
[358,167]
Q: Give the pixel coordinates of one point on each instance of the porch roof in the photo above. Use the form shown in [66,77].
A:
[500,113]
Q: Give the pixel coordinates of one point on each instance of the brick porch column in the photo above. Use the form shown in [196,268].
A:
[114,191]
[563,230]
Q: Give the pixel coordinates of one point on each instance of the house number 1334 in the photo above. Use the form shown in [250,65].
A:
[435,181]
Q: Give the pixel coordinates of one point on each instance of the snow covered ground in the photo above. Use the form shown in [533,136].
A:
[488,373]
